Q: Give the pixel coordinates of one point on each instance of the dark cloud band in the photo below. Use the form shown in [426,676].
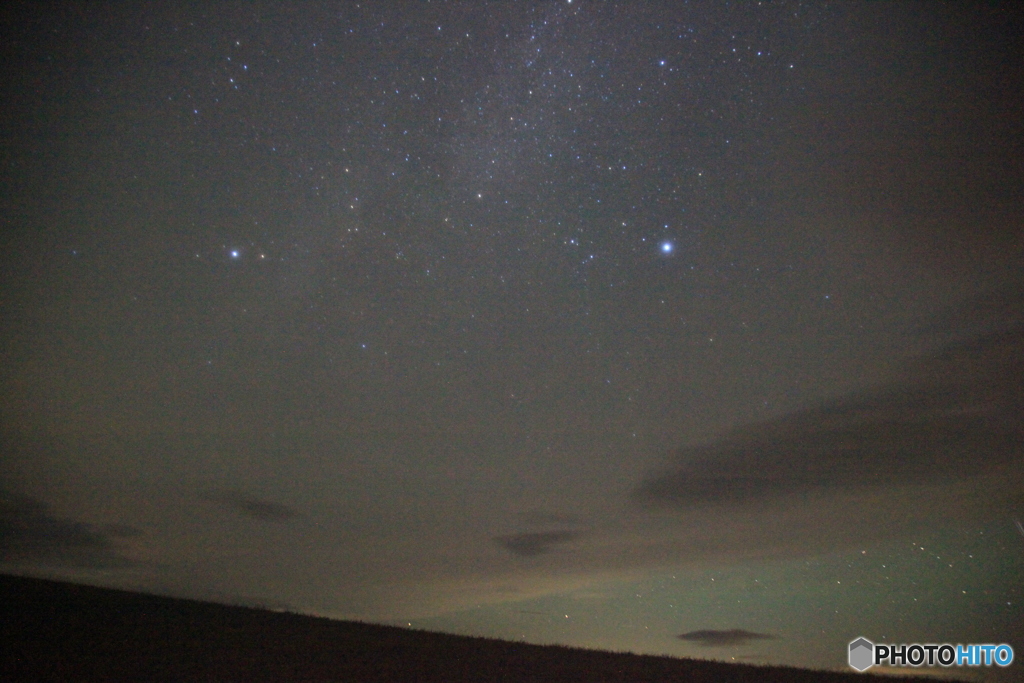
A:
[31,534]
[727,638]
[536,543]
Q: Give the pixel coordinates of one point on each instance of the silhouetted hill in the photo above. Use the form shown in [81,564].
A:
[52,631]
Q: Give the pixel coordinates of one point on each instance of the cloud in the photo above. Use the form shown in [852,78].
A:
[256,508]
[535,543]
[729,638]
[31,534]
[945,417]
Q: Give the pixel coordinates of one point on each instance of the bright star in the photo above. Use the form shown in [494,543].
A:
[234,253]
[666,247]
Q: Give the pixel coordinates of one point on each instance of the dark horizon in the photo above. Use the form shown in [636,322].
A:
[133,636]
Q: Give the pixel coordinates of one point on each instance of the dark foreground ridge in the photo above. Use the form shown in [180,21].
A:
[54,631]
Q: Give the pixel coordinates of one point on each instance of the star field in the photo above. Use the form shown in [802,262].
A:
[467,315]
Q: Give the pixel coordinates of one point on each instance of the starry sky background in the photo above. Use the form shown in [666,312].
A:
[587,323]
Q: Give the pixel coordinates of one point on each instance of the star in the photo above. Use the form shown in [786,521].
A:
[666,247]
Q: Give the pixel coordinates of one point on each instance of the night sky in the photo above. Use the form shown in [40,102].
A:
[597,324]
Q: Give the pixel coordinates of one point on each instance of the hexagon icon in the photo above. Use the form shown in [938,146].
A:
[862,654]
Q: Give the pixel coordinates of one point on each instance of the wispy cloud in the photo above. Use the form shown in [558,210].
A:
[259,509]
[727,638]
[32,535]
[535,543]
[947,416]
